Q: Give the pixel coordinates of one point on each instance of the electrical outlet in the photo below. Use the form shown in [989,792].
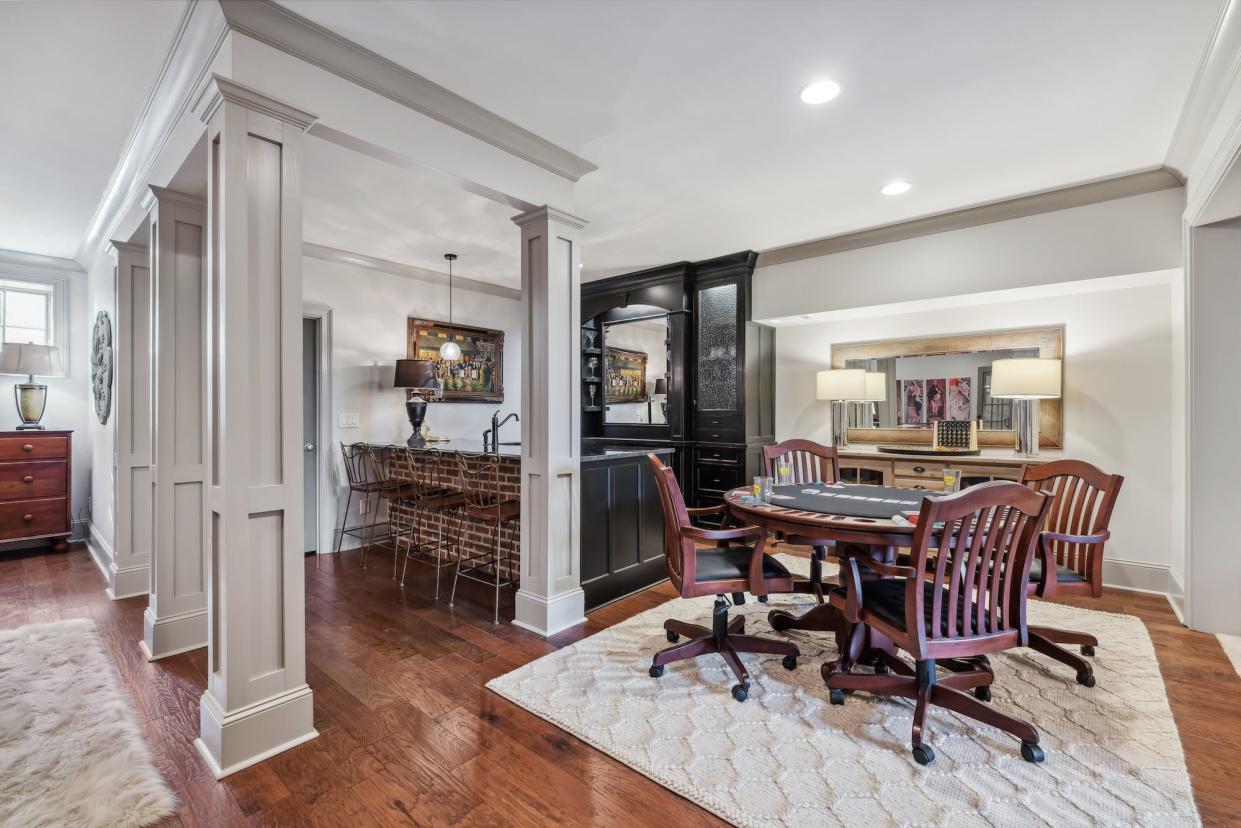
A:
[350,420]
[362,507]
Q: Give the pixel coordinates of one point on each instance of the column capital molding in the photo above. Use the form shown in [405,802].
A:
[220,89]
[114,247]
[155,194]
[549,213]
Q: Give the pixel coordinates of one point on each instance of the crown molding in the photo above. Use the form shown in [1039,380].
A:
[422,274]
[173,197]
[1044,201]
[281,29]
[197,42]
[551,214]
[38,264]
[220,89]
[1216,73]
[114,247]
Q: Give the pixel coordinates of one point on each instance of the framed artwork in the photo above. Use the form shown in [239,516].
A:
[478,376]
[960,404]
[624,376]
[936,402]
[913,403]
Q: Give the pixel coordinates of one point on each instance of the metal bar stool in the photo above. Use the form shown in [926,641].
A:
[357,461]
[387,489]
[437,491]
[485,504]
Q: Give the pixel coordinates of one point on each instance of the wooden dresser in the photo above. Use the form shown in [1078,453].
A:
[35,475]
[865,464]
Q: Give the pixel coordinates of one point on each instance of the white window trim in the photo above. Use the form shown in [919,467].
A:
[60,309]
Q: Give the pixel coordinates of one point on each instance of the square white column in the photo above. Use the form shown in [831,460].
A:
[257,701]
[550,598]
[176,618]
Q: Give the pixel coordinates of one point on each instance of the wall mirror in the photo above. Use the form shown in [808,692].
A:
[945,378]
[634,370]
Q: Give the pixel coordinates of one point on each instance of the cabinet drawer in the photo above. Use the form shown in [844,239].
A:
[21,481]
[926,484]
[716,454]
[717,478]
[34,448]
[31,518]
[918,468]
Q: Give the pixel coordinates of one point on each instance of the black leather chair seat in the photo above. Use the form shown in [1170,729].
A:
[1064,575]
[731,563]
[886,599]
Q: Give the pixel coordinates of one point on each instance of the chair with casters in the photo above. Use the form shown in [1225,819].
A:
[956,607]
[1069,560]
[734,565]
[808,462]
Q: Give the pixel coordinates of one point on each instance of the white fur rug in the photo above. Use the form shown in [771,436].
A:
[786,757]
[71,753]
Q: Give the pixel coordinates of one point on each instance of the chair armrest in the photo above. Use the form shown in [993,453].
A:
[1101,537]
[737,533]
[696,511]
[851,579]
[890,570]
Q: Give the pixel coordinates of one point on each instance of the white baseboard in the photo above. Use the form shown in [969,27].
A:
[233,741]
[1138,576]
[1176,594]
[130,582]
[180,633]
[100,552]
[548,616]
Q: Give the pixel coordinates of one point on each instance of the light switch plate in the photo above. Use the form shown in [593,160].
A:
[350,420]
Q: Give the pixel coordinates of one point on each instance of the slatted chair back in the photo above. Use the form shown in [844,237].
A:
[809,462]
[679,551]
[1083,497]
[356,457]
[984,539]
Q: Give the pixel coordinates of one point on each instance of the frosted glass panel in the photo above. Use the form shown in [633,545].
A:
[717,348]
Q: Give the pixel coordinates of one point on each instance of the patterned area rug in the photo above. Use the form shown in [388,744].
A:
[1232,648]
[71,752]
[786,757]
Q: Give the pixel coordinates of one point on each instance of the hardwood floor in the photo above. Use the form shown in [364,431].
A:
[409,735]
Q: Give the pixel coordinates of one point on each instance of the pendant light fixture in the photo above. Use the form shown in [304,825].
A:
[450,351]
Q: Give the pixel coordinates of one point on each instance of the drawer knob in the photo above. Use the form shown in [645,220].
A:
[28,518]
[28,447]
[27,479]
[919,469]
[920,487]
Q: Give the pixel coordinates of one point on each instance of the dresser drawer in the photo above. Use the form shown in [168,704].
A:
[926,484]
[34,448]
[918,468]
[717,478]
[22,481]
[30,518]
[717,454]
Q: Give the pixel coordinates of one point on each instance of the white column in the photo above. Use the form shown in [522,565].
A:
[257,702]
[129,570]
[176,618]
[550,598]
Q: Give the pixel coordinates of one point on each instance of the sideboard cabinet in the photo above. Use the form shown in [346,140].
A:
[35,481]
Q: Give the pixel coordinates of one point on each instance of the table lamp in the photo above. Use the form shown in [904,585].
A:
[419,376]
[841,386]
[661,389]
[31,360]
[876,392]
[1025,380]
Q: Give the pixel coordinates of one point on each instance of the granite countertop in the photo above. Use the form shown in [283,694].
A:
[465,445]
[596,455]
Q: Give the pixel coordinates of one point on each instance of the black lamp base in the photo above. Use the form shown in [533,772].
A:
[416,410]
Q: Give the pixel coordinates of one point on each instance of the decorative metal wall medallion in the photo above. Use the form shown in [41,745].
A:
[101,366]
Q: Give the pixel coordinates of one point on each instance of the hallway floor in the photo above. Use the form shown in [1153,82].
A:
[409,735]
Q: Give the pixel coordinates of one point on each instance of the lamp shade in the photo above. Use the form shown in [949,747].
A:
[1028,378]
[661,385]
[847,384]
[25,358]
[876,387]
[415,373]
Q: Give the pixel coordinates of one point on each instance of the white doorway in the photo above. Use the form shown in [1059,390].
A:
[320,505]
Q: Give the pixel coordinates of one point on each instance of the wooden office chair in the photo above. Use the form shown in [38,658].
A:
[726,568]
[810,462]
[1070,550]
[966,602]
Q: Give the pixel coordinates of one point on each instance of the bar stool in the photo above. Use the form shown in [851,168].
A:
[436,491]
[485,504]
[358,464]
[387,489]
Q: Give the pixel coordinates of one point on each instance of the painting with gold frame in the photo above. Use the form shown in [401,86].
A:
[624,377]
[478,376]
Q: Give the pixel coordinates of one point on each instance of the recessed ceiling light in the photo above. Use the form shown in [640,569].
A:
[895,187]
[820,92]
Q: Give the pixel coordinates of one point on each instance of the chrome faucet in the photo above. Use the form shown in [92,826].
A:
[491,437]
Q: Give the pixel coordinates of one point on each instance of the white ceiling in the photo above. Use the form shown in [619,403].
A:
[690,108]
[74,75]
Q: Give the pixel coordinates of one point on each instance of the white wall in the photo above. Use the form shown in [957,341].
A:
[1118,379]
[369,313]
[100,440]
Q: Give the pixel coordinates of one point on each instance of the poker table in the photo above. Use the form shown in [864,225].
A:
[877,520]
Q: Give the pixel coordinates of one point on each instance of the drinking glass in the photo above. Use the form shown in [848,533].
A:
[784,473]
[952,480]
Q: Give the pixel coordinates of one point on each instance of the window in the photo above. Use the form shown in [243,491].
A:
[26,312]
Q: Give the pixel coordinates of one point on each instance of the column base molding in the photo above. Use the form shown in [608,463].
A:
[548,616]
[180,633]
[129,582]
[233,741]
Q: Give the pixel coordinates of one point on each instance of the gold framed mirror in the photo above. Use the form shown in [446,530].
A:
[946,377]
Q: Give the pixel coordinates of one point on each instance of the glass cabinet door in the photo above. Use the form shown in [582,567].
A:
[718,334]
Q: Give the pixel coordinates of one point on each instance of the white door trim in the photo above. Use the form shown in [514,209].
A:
[326,504]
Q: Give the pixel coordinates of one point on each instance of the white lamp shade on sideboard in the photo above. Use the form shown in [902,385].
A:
[876,387]
[841,384]
[1028,378]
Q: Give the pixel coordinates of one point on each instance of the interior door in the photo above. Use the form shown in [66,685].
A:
[310,429]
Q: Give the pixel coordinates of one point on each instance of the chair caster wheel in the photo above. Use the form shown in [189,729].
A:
[837,696]
[1085,679]
[1087,650]
[790,662]
[881,669]
[983,693]
[923,754]
[762,599]
[672,637]
[740,692]
[656,672]
[1032,752]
